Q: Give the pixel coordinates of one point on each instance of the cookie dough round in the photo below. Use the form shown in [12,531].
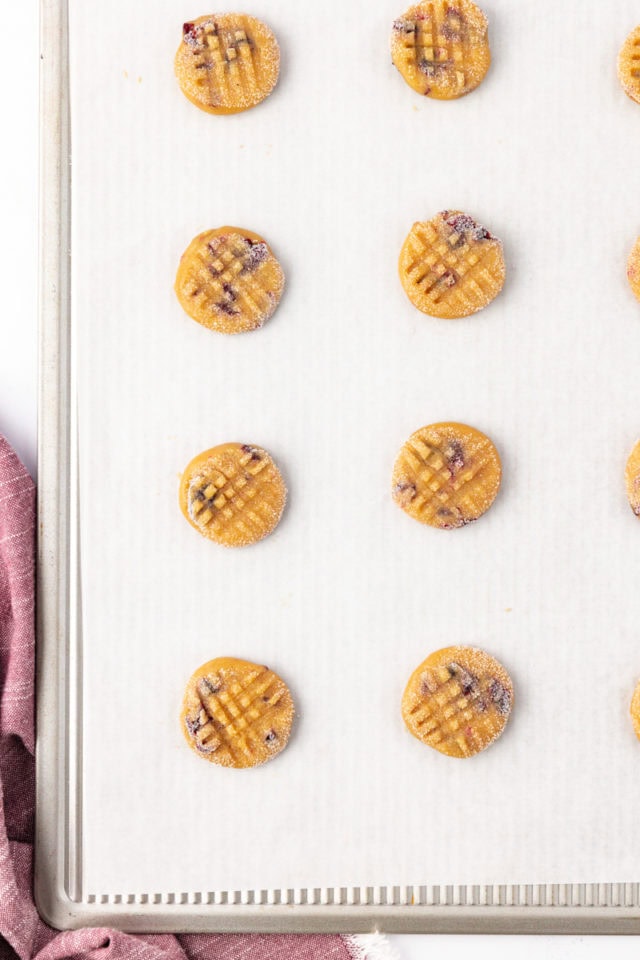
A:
[236,713]
[632,479]
[441,48]
[633,264]
[451,266]
[229,280]
[233,494]
[446,475]
[629,65]
[227,62]
[458,701]
[634,710]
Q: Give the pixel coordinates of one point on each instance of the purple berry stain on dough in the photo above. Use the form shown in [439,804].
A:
[255,255]
[455,456]
[224,307]
[247,448]
[190,33]
[453,28]
[192,725]
[448,279]
[500,697]
[404,492]
[467,680]
[462,223]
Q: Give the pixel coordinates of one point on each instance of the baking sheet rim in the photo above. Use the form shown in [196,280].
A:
[540,908]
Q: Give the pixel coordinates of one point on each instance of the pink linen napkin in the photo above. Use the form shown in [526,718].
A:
[20,925]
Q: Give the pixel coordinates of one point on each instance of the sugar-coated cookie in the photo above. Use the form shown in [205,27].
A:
[634,710]
[632,479]
[233,494]
[451,266]
[229,280]
[441,48]
[446,475]
[633,268]
[236,713]
[458,701]
[227,62]
[629,65]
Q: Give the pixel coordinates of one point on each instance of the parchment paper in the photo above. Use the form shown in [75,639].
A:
[350,594]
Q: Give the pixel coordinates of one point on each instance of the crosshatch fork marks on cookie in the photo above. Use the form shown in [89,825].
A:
[227,284]
[437,43]
[226,59]
[231,715]
[439,265]
[233,494]
[451,266]
[457,492]
[457,697]
[236,713]
[458,701]
[227,63]
[446,475]
[228,497]
[229,280]
[629,65]
[441,48]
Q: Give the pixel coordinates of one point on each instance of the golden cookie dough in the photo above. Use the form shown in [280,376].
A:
[451,266]
[633,268]
[227,62]
[236,713]
[629,65]
[458,701]
[229,280]
[442,49]
[632,479]
[446,475]
[233,494]
[635,710]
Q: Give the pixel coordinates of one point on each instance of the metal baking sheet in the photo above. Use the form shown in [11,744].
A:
[545,372]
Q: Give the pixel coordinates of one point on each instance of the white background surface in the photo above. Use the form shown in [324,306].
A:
[17,395]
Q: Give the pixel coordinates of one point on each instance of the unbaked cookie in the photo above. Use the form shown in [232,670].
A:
[236,713]
[458,701]
[233,494]
[635,710]
[629,65]
[446,475]
[633,267]
[227,62]
[229,280]
[451,266]
[442,49]
[632,479]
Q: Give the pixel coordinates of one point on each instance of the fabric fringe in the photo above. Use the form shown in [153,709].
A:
[370,946]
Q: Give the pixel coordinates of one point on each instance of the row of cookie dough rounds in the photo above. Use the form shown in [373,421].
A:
[230,62]
[239,714]
[229,280]
[446,476]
